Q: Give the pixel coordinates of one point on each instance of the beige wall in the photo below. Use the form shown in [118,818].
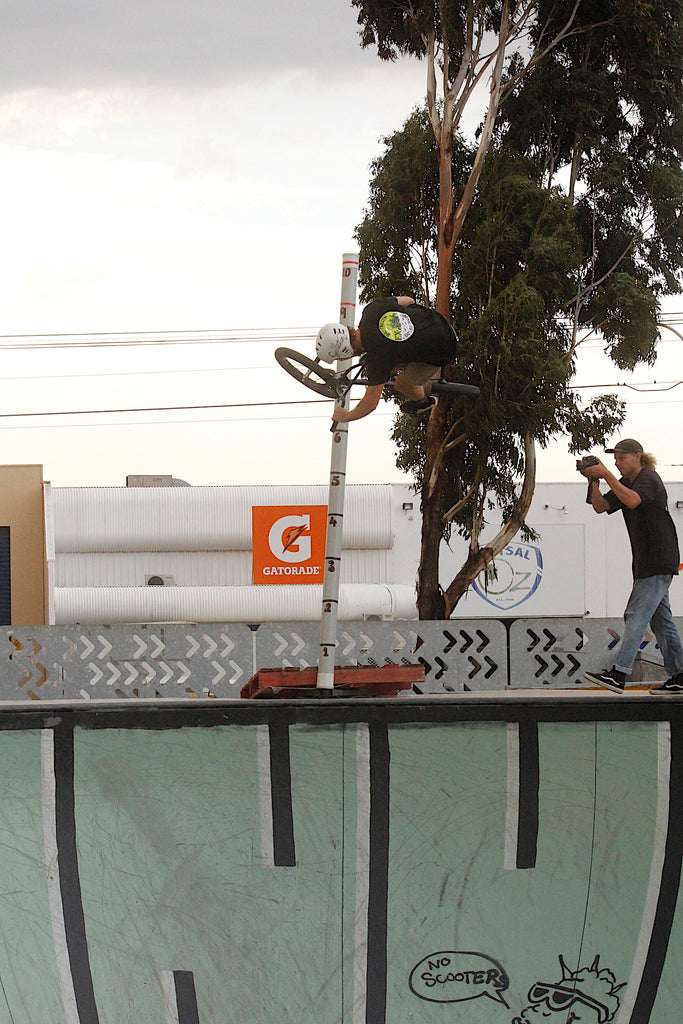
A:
[22,509]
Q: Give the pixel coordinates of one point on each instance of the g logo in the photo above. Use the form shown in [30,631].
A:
[289,538]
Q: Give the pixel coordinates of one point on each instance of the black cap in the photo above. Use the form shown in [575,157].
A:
[627,445]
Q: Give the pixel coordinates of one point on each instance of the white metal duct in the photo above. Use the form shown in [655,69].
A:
[228,604]
[195,568]
[201,518]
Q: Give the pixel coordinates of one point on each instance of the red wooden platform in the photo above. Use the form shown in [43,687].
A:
[352,680]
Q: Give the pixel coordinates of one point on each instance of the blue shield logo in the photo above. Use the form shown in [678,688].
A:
[513,576]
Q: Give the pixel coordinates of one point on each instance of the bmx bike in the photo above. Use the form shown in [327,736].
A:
[336,384]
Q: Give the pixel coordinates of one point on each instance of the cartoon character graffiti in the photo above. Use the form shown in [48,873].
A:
[586,996]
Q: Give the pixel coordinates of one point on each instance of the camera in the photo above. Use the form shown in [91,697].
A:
[585,462]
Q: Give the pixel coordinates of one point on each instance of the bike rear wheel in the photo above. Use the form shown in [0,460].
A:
[316,377]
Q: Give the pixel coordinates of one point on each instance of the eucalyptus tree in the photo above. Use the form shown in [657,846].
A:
[562,215]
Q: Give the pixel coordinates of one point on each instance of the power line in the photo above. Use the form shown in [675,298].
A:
[26,342]
[200,336]
[160,408]
[190,408]
[645,387]
[146,373]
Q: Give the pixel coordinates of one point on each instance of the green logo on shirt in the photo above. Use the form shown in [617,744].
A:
[396,326]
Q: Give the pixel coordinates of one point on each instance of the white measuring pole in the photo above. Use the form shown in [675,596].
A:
[335,501]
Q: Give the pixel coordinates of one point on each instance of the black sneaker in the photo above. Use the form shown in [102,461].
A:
[672,685]
[419,408]
[611,679]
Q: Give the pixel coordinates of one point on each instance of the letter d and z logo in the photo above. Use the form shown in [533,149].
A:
[288,543]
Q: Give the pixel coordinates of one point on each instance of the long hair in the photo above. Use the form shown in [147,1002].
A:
[647,460]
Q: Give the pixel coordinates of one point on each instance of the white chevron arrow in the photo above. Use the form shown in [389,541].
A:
[229,646]
[193,646]
[115,673]
[367,642]
[150,672]
[184,674]
[97,673]
[132,675]
[282,644]
[158,645]
[220,672]
[237,672]
[298,646]
[168,673]
[89,648]
[400,641]
[351,643]
[211,645]
[107,646]
[142,646]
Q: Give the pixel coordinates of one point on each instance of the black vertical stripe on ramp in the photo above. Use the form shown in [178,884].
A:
[668,892]
[284,852]
[378,885]
[69,881]
[185,997]
[527,824]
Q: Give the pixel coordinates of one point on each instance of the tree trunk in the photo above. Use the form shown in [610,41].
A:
[430,601]
[478,559]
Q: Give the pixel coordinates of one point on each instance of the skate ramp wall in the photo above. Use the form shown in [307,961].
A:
[362,862]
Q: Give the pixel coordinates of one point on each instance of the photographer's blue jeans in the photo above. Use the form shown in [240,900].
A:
[649,605]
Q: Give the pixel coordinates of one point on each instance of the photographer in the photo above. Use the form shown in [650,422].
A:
[641,496]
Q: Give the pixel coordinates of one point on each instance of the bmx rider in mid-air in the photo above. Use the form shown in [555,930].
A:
[395,335]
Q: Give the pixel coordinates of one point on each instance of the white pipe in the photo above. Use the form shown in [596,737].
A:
[357,601]
[335,503]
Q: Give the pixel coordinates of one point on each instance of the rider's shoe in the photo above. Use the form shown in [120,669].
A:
[419,408]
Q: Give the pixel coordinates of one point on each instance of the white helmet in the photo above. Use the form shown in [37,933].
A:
[333,342]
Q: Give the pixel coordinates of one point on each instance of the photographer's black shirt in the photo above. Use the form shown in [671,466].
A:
[651,529]
[393,335]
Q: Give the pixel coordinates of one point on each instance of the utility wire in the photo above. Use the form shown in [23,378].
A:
[9,342]
[189,408]
[202,336]
[147,373]
[644,388]
[159,408]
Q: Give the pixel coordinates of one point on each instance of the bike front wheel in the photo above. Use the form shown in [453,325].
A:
[314,376]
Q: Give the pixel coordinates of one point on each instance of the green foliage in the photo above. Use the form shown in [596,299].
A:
[514,281]
[575,227]
[399,29]
[603,113]
[397,237]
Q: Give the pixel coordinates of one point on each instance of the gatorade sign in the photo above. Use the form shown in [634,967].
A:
[288,543]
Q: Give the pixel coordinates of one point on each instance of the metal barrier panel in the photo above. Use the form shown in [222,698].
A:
[556,652]
[457,655]
[216,659]
[100,662]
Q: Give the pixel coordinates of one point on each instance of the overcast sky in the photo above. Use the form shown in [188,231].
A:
[201,166]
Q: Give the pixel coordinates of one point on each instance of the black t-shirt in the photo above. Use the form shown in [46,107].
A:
[651,529]
[393,335]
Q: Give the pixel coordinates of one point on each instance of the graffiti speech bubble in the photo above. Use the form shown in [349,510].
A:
[453,976]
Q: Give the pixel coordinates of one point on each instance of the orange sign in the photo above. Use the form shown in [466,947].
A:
[288,543]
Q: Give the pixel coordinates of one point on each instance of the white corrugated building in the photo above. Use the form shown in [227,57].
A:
[110,543]
[180,553]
